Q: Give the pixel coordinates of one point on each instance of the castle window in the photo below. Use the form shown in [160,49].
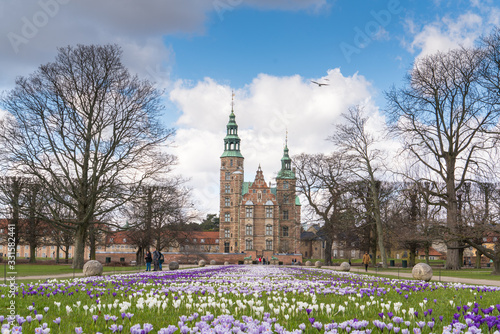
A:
[285,214]
[285,231]
[269,229]
[269,244]
[226,247]
[227,188]
[231,162]
[269,212]
[249,211]
[259,196]
[227,201]
[285,199]
[228,176]
[249,230]
[227,217]
[285,185]
[248,244]
[227,233]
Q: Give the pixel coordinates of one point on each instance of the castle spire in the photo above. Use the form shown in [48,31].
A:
[286,163]
[232,141]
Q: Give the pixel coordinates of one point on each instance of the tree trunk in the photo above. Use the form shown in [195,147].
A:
[413,252]
[496,266]
[373,245]
[461,256]
[427,251]
[453,252]
[32,253]
[92,244]
[328,252]
[378,222]
[78,254]
[58,249]
[139,256]
[478,259]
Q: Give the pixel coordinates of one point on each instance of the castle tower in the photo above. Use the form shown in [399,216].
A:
[231,179]
[289,206]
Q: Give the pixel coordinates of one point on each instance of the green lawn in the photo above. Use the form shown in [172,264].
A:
[24,270]
[484,273]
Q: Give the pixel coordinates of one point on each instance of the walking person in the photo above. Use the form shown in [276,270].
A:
[162,259]
[148,259]
[366,260]
[156,260]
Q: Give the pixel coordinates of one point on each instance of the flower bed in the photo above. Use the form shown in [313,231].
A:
[251,299]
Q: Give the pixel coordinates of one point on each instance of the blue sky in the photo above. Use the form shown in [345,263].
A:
[267,51]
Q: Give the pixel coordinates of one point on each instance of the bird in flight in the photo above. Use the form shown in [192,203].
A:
[319,84]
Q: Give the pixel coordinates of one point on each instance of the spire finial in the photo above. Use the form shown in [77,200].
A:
[232,99]
[286,138]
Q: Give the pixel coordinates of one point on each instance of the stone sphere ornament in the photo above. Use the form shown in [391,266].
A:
[201,263]
[173,265]
[317,264]
[92,268]
[308,263]
[345,266]
[226,263]
[422,271]
[213,262]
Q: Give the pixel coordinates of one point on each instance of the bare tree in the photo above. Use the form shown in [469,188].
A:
[360,147]
[35,230]
[481,211]
[87,131]
[447,119]
[413,221]
[157,215]
[324,181]
[11,191]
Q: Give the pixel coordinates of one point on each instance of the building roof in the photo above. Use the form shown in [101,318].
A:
[208,237]
[310,236]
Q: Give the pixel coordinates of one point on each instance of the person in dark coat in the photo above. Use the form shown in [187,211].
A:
[148,259]
[161,260]
[156,260]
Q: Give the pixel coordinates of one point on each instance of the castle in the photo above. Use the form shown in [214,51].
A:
[255,218]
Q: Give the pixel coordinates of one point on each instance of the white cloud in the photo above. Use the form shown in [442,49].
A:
[33,29]
[265,109]
[450,32]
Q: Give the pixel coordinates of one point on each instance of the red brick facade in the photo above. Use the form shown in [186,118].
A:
[255,217]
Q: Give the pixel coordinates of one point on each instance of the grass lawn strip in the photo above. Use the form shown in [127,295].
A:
[251,299]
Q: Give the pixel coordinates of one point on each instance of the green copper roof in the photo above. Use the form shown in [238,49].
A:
[232,141]
[286,174]
[245,186]
[297,200]
[286,166]
[231,154]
